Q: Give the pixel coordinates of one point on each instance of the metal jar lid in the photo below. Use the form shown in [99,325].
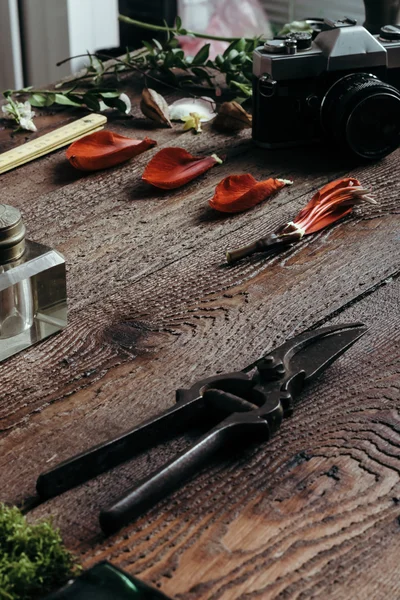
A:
[12,234]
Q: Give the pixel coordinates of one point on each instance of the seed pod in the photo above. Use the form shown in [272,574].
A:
[232,117]
[154,106]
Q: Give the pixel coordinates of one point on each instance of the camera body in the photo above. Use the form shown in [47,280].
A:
[340,82]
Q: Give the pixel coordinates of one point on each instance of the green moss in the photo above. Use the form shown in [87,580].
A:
[33,559]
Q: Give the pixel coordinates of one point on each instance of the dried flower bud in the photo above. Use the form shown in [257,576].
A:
[331,203]
[232,117]
[155,107]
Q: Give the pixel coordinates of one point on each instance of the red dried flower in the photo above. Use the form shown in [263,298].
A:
[331,203]
[103,149]
[173,167]
[237,193]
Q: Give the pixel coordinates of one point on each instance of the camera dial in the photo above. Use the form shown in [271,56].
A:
[289,43]
[390,33]
[362,113]
[275,46]
[302,39]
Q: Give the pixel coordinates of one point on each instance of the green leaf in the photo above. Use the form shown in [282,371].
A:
[91,102]
[100,90]
[148,46]
[180,63]
[251,45]
[240,58]
[96,65]
[202,55]
[235,45]
[76,98]
[178,52]
[37,100]
[113,94]
[178,23]
[232,55]
[296,26]
[7,93]
[50,99]
[202,74]
[157,45]
[169,60]
[115,103]
[66,101]
[246,89]
[173,43]
[241,45]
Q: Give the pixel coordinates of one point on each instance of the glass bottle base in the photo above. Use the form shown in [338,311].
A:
[33,298]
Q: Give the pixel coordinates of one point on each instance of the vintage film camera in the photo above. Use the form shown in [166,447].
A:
[340,84]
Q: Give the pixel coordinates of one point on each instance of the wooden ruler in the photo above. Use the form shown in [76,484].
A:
[51,141]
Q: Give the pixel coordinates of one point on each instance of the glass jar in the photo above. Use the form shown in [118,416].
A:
[33,299]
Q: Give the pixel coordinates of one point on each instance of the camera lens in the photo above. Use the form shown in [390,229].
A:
[362,113]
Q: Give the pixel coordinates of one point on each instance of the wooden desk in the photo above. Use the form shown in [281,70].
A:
[315,513]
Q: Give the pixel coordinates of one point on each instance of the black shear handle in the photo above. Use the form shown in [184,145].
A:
[101,458]
[161,483]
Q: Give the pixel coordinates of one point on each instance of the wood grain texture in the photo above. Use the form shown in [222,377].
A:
[153,307]
[306,515]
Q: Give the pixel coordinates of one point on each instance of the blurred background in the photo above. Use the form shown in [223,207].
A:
[36,34]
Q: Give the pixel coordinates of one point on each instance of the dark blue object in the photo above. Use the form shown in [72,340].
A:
[104,581]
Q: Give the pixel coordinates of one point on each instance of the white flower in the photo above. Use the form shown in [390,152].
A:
[193,121]
[205,107]
[25,110]
[21,112]
[27,124]
[126,100]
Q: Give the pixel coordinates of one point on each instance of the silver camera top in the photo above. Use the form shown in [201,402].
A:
[338,45]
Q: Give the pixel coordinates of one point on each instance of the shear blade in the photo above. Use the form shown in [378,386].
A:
[323,347]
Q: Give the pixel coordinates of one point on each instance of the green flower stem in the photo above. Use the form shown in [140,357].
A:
[9,93]
[140,52]
[175,31]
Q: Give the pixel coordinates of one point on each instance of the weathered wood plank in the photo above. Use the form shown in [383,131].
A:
[152,308]
[193,307]
[294,289]
[315,512]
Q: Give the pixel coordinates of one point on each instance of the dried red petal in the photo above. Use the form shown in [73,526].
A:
[237,193]
[103,149]
[331,203]
[173,167]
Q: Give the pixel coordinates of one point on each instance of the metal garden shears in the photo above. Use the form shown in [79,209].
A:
[248,405]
